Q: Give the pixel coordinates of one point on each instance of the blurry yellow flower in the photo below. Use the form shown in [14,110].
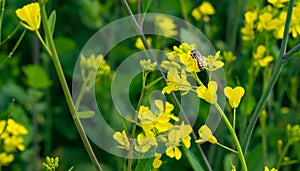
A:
[228,57]
[122,139]
[6,159]
[145,141]
[206,8]
[278,3]
[178,134]
[157,161]
[165,26]
[30,15]
[249,25]
[267,169]
[209,93]
[266,22]
[280,21]
[259,57]
[213,62]
[176,82]
[146,65]
[234,95]
[293,132]
[205,134]
[140,45]
[250,18]
[93,64]
[295,23]
[159,120]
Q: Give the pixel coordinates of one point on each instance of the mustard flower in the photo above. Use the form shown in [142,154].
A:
[278,32]
[146,65]
[259,57]
[157,161]
[6,159]
[209,94]
[228,57]
[140,45]
[165,26]
[122,139]
[176,82]
[293,132]
[234,95]
[205,134]
[204,9]
[177,135]
[267,169]
[249,25]
[295,23]
[159,121]
[182,55]
[145,141]
[213,62]
[30,16]
[278,3]
[95,64]
[51,163]
[266,22]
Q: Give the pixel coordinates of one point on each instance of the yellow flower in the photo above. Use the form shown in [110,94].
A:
[159,120]
[140,45]
[267,169]
[206,8]
[205,134]
[208,94]
[122,139]
[30,15]
[6,159]
[278,3]
[266,22]
[145,141]
[176,82]
[213,63]
[234,95]
[165,26]
[228,57]
[259,57]
[196,14]
[178,134]
[248,30]
[278,33]
[157,162]
[146,65]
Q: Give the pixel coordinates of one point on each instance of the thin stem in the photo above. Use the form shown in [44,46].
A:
[65,88]
[82,91]
[10,35]
[278,67]
[139,28]
[43,42]
[227,148]
[234,118]
[289,55]
[17,44]
[1,16]
[233,135]
[282,154]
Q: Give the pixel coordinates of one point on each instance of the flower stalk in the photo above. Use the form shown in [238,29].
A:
[65,88]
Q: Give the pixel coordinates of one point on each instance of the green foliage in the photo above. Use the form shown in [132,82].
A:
[36,77]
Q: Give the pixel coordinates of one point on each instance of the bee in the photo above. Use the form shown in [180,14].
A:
[200,60]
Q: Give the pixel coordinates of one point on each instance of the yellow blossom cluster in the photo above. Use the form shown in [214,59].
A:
[270,18]
[203,11]
[157,125]
[165,26]
[93,64]
[11,139]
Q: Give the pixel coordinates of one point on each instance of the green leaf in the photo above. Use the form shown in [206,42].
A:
[85,114]
[36,77]
[193,160]
[51,24]
[144,164]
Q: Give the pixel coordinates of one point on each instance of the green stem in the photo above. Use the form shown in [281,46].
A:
[235,138]
[43,42]
[82,91]
[227,148]
[289,55]
[65,88]
[17,44]
[10,35]
[234,118]
[282,154]
[278,67]
[1,16]
[144,76]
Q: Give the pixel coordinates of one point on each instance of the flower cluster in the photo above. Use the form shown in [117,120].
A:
[165,26]
[93,65]
[158,129]
[270,18]
[260,58]
[11,139]
[51,164]
[203,11]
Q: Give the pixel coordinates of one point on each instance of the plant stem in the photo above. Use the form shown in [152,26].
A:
[234,118]
[235,138]
[282,154]
[278,67]
[10,35]
[289,55]
[227,148]
[1,16]
[65,88]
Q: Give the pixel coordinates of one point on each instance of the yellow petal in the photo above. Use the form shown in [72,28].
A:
[30,15]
